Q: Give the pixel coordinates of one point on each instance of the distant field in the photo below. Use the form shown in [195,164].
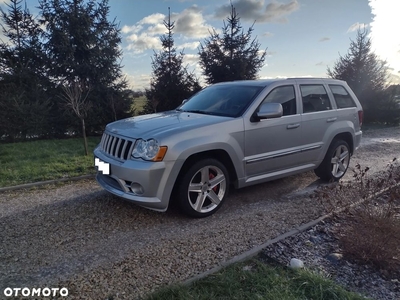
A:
[33,161]
[138,104]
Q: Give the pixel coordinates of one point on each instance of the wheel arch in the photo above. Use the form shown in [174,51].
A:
[347,137]
[218,154]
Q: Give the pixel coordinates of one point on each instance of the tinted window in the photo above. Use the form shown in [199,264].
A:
[314,98]
[222,100]
[342,97]
[284,95]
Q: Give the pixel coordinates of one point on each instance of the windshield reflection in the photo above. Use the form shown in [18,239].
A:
[222,100]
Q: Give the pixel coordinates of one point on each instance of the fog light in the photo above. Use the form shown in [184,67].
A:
[137,188]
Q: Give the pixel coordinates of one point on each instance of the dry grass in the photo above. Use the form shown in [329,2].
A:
[369,231]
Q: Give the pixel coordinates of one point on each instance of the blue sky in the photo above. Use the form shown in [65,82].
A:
[302,37]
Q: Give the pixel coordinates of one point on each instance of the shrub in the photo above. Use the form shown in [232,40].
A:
[368,211]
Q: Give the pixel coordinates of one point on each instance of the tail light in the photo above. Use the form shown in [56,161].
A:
[360,117]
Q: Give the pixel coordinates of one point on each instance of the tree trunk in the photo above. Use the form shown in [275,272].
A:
[84,137]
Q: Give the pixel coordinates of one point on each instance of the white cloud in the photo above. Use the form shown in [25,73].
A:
[190,23]
[267,34]
[191,46]
[129,29]
[251,10]
[145,34]
[324,39]
[157,29]
[383,32]
[142,42]
[191,59]
[357,26]
[152,19]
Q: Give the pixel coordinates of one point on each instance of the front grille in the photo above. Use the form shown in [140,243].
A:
[116,147]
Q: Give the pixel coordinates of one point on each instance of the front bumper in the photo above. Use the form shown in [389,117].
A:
[152,177]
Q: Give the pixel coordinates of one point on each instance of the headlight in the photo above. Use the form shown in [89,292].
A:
[149,150]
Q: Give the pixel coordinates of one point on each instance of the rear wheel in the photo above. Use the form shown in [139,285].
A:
[335,163]
[203,188]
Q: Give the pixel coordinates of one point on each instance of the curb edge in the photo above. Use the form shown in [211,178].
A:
[39,183]
[254,251]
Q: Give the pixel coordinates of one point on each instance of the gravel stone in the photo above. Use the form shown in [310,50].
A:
[78,236]
[320,259]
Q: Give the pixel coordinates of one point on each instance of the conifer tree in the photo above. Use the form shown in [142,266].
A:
[234,55]
[367,75]
[24,105]
[83,48]
[171,82]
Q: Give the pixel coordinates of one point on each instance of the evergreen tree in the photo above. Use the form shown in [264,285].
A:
[171,82]
[83,47]
[367,76]
[25,109]
[232,56]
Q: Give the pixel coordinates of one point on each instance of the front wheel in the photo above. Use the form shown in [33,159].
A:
[335,163]
[203,188]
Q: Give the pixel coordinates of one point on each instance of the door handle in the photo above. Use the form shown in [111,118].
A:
[331,120]
[292,126]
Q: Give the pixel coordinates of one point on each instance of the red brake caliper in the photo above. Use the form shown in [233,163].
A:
[211,176]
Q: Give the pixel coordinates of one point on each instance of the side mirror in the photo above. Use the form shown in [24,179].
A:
[269,111]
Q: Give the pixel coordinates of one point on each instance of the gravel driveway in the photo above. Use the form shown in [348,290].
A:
[80,237]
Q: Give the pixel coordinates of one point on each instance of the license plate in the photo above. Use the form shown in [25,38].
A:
[102,166]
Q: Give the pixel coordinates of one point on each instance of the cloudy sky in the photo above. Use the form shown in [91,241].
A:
[301,37]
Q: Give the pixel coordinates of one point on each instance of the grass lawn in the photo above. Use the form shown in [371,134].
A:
[256,280]
[33,161]
[138,104]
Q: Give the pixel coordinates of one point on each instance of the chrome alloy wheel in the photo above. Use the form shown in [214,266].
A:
[340,161]
[207,189]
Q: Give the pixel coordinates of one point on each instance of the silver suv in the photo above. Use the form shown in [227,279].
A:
[234,133]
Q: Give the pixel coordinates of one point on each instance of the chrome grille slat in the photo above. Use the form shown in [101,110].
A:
[116,147]
[107,143]
[123,149]
[110,140]
[131,148]
[102,141]
[112,150]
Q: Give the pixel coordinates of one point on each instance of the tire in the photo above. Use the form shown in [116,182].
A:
[203,188]
[335,163]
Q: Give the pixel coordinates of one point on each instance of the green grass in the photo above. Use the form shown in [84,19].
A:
[259,281]
[33,161]
[138,104]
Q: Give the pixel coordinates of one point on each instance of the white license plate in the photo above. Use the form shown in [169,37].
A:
[102,166]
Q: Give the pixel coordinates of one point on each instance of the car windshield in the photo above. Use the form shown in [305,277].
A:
[222,100]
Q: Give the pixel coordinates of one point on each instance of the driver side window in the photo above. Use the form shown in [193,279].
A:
[284,95]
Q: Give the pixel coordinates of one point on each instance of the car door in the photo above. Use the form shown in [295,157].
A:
[316,117]
[273,145]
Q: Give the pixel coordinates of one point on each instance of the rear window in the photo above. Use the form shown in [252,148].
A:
[314,98]
[342,97]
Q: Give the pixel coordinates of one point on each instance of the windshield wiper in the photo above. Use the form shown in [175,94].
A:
[198,111]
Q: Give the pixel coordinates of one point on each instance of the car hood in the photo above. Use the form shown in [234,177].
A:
[160,124]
